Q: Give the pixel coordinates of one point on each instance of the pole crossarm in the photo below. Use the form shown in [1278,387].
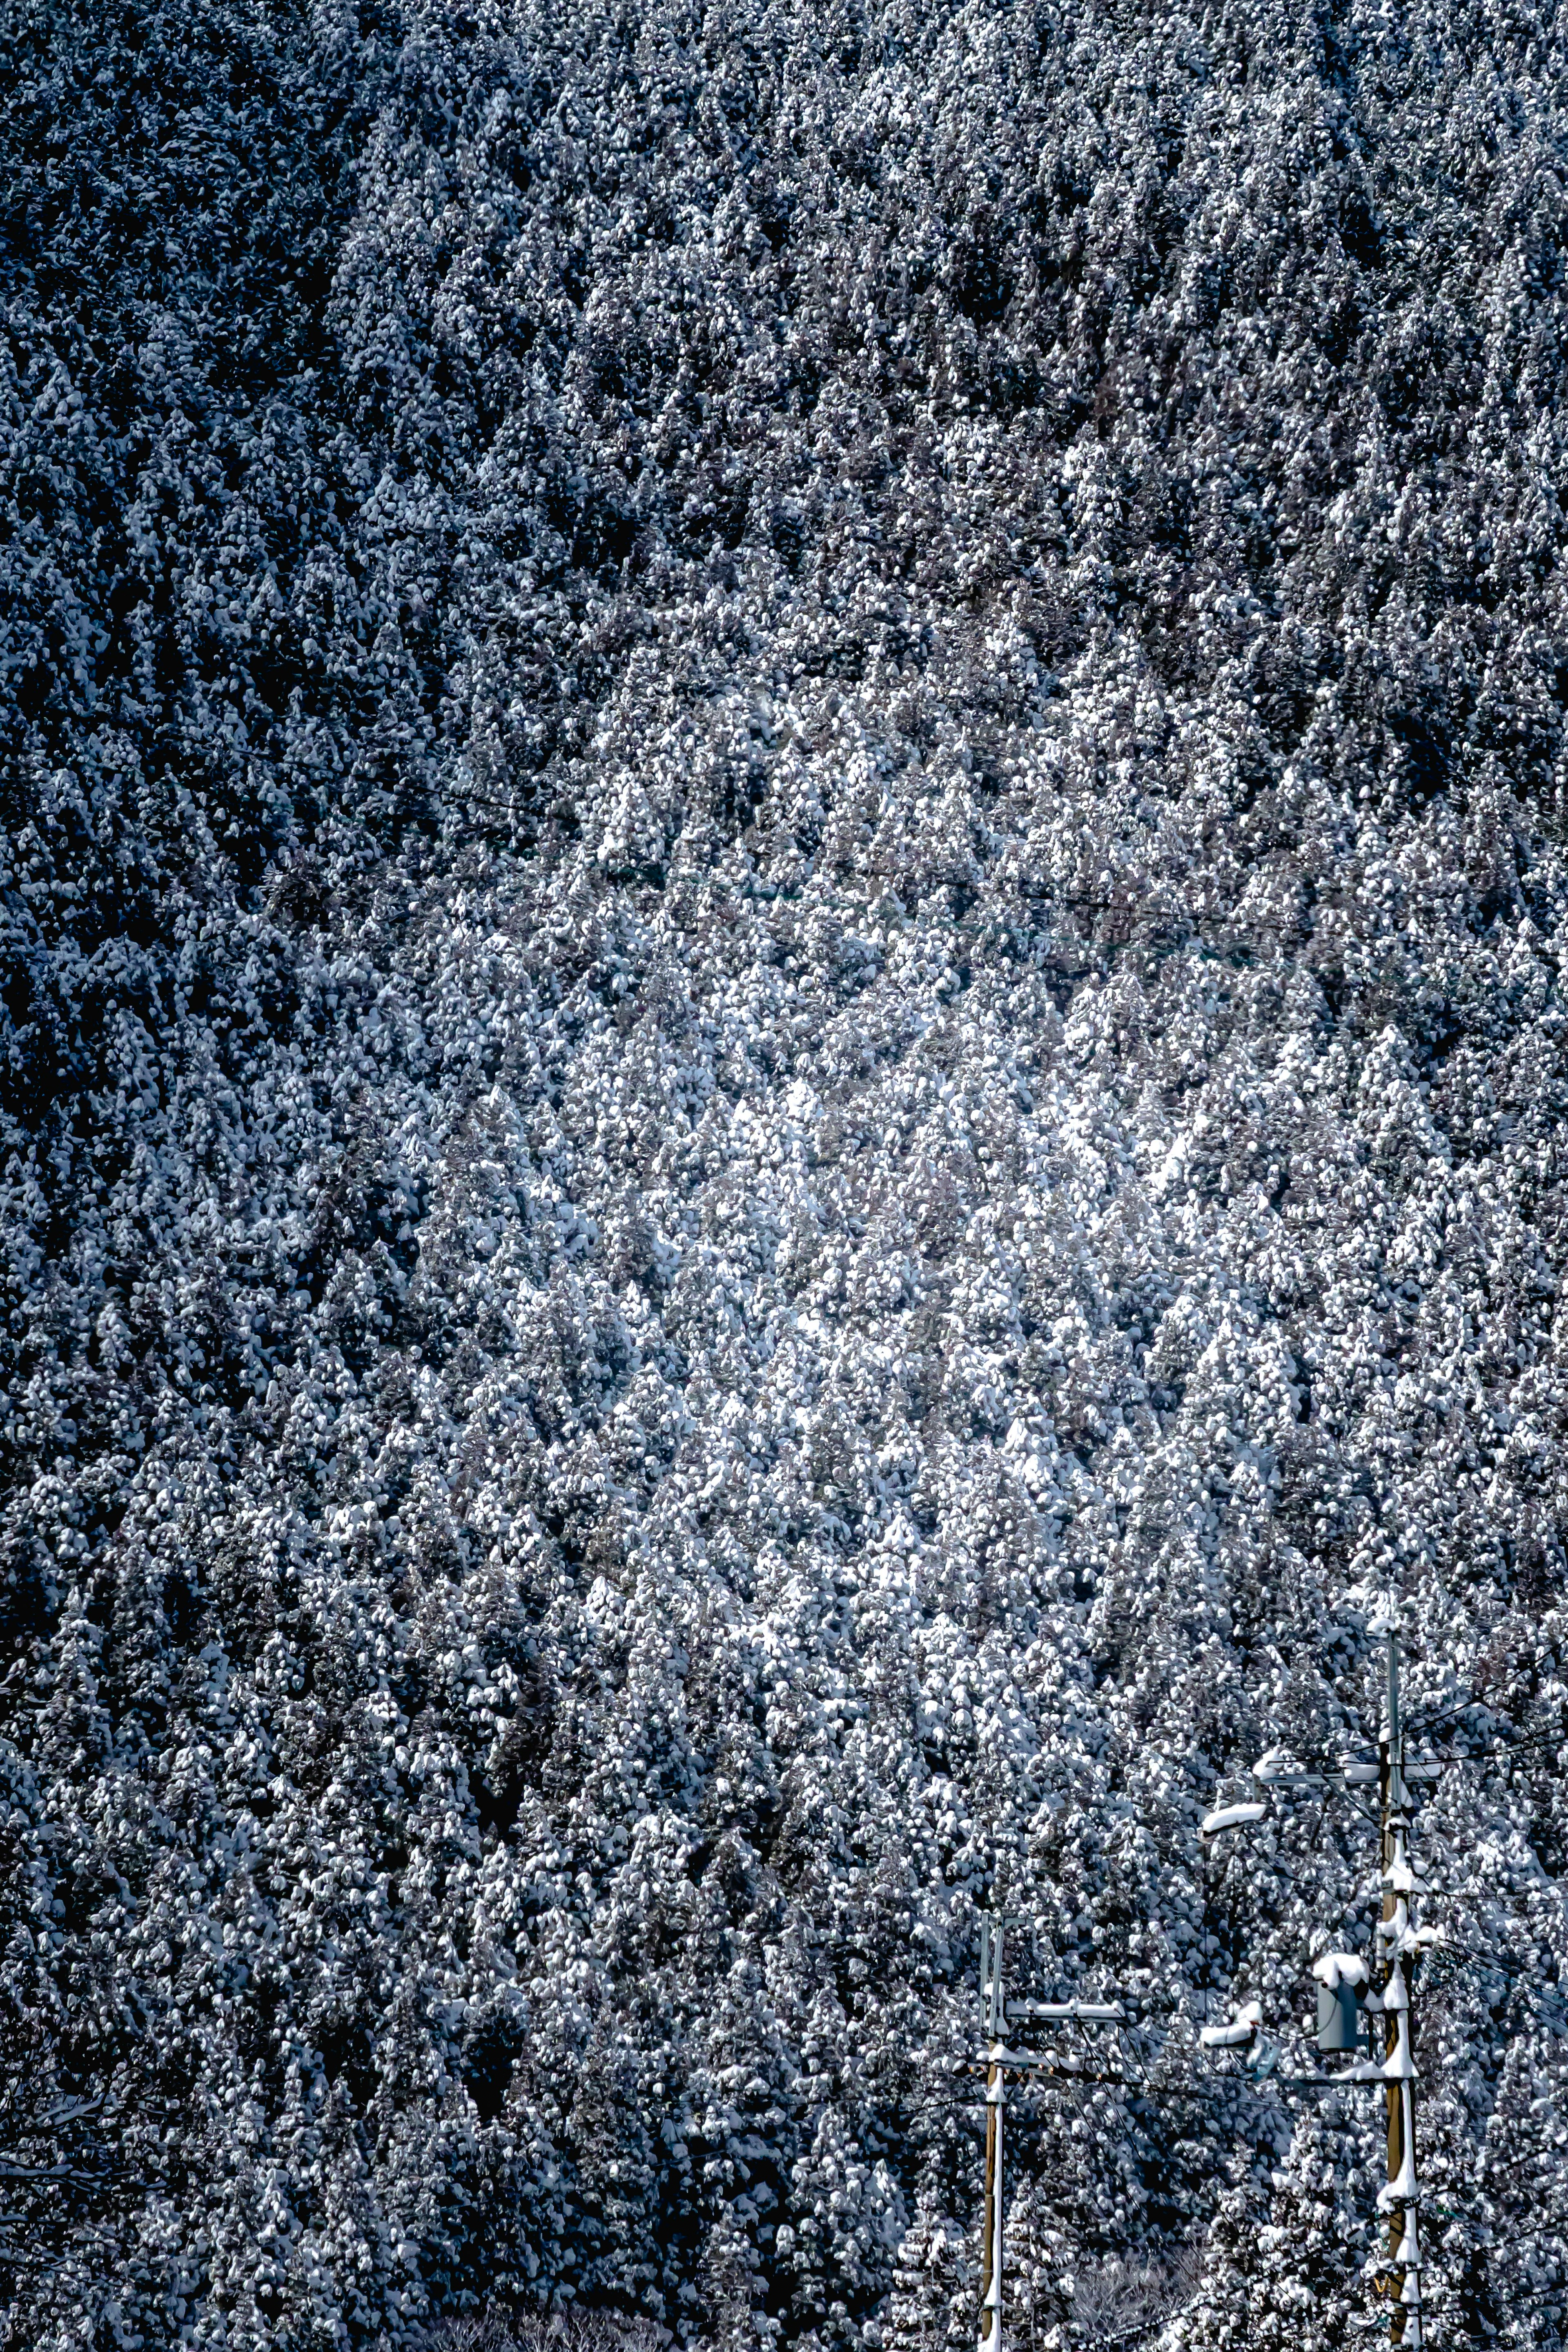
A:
[1031,2062]
[1066,2012]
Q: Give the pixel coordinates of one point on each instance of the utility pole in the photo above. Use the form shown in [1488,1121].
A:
[1345,1987]
[1397,1944]
[994,2013]
[997,2013]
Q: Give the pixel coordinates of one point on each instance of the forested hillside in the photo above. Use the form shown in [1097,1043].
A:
[784,869]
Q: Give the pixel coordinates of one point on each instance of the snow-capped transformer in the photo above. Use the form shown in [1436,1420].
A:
[1342,1989]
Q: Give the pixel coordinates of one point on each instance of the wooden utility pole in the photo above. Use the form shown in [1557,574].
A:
[1396,1939]
[1399,1946]
[993,2009]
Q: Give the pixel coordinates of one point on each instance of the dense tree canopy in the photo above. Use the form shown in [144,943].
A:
[783,861]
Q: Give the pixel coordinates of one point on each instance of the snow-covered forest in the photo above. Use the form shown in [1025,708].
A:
[784,865]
